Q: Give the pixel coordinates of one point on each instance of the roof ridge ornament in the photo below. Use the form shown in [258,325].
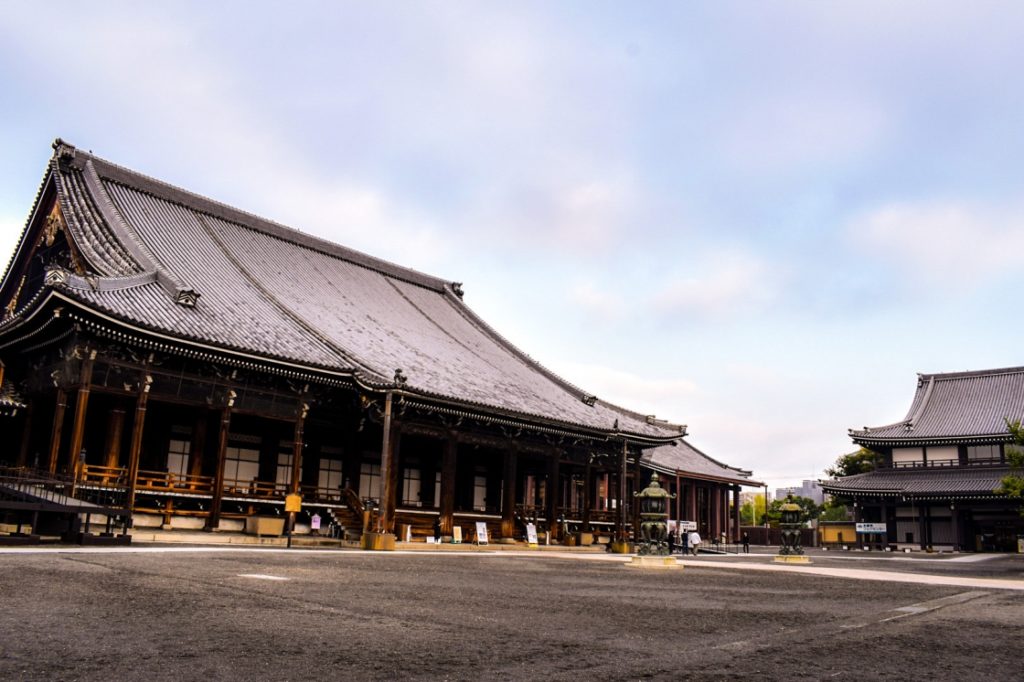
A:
[400,379]
[64,153]
[457,289]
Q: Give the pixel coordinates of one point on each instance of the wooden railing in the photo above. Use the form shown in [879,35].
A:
[940,463]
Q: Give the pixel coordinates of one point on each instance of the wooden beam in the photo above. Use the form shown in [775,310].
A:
[81,405]
[508,491]
[112,445]
[26,439]
[58,428]
[551,498]
[297,447]
[448,464]
[587,502]
[135,449]
[213,520]
[620,529]
[387,464]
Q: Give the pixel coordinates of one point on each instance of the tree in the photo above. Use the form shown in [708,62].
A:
[752,512]
[835,509]
[1012,484]
[809,508]
[859,462]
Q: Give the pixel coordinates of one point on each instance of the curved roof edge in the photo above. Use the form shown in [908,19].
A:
[172,193]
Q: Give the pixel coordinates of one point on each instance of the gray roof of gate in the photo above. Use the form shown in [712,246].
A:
[956,405]
[951,481]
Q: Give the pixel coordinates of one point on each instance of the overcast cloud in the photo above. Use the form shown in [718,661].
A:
[760,220]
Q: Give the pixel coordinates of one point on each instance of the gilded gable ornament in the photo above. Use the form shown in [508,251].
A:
[54,224]
[12,305]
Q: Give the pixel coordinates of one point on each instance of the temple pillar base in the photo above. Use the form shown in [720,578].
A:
[378,542]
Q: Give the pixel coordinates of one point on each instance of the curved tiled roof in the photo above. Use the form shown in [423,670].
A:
[946,482]
[265,289]
[683,458]
[956,406]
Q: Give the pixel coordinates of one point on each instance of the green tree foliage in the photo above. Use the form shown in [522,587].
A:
[752,513]
[835,509]
[859,462]
[810,509]
[1012,484]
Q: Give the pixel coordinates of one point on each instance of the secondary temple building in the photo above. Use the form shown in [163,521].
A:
[941,466]
[192,364]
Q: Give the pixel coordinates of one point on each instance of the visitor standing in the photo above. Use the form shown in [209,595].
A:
[694,542]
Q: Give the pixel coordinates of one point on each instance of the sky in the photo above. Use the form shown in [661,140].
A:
[761,220]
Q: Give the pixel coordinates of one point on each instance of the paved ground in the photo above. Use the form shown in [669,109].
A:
[225,614]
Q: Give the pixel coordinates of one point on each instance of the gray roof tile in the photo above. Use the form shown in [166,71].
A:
[953,481]
[684,457]
[960,405]
[275,292]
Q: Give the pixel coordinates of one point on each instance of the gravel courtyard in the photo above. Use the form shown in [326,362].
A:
[277,615]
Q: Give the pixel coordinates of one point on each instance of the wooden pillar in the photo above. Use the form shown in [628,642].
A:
[197,447]
[551,499]
[447,501]
[297,446]
[81,405]
[135,448]
[213,520]
[112,445]
[692,503]
[26,438]
[679,498]
[58,428]
[716,510]
[387,463]
[620,530]
[508,492]
[736,514]
[588,484]
[395,474]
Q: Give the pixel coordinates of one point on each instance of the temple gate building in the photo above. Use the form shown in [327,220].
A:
[941,466]
[195,364]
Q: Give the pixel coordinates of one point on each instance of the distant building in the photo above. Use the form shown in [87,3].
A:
[942,466]
[809,489]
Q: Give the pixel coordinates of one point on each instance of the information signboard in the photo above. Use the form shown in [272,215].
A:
[871,528]
[481,532]
[531,534]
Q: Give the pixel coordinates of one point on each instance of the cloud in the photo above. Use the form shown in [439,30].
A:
[948,243]
[794,130]
[185,98]
[723,283]
[601,304]
[657,396]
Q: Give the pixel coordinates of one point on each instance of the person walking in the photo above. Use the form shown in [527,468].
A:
[746,542]
[694,542]
[437,530]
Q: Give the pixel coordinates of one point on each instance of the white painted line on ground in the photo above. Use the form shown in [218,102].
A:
[261,576]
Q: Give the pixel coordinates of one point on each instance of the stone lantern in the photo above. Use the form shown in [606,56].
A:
[653,518]
[792,522]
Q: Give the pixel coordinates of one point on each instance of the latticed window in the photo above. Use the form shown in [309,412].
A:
[411,487]
[177,457]
[241,467]
[329,480]
[369,480]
